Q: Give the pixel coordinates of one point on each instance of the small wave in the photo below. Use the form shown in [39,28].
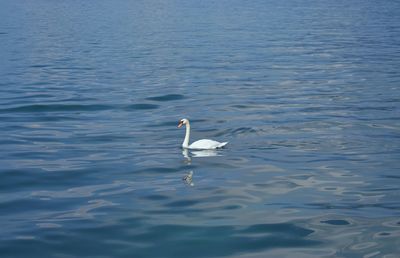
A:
[168,97]
[55,108]
[73,68]
[242,130]
[141,106]
[39,66]
[182,203]
[170,124]
[240,106]
[238,131]
[336,222]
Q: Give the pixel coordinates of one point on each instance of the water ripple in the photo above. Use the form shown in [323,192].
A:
[55,108]
[168,97]
[306,92]
[141,106]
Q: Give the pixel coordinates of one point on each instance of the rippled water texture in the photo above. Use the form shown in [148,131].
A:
[306,92]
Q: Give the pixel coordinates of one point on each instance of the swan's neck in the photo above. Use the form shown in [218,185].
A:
[185,143]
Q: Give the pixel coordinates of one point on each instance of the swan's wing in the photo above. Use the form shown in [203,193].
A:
[206,144]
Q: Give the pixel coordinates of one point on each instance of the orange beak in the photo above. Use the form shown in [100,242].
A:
[180,124]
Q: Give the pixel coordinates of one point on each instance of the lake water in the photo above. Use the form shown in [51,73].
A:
[306,92]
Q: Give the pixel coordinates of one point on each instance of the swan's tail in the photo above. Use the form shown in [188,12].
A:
[222,144]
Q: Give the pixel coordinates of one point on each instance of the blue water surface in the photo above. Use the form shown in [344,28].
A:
[306,92]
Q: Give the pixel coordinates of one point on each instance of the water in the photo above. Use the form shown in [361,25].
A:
[306,92]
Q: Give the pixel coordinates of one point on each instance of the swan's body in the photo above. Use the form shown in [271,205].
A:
[204,144]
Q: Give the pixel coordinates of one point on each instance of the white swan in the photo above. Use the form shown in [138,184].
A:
[204,144]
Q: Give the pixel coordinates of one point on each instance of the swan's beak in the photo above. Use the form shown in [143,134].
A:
[180,124]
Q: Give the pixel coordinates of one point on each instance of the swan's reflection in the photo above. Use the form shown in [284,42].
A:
[188,179]
[198,154]
[188,159]
[188,154]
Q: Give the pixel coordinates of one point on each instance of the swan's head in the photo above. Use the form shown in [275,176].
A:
[183,122]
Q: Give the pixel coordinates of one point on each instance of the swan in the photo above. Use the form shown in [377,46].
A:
[204,144]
